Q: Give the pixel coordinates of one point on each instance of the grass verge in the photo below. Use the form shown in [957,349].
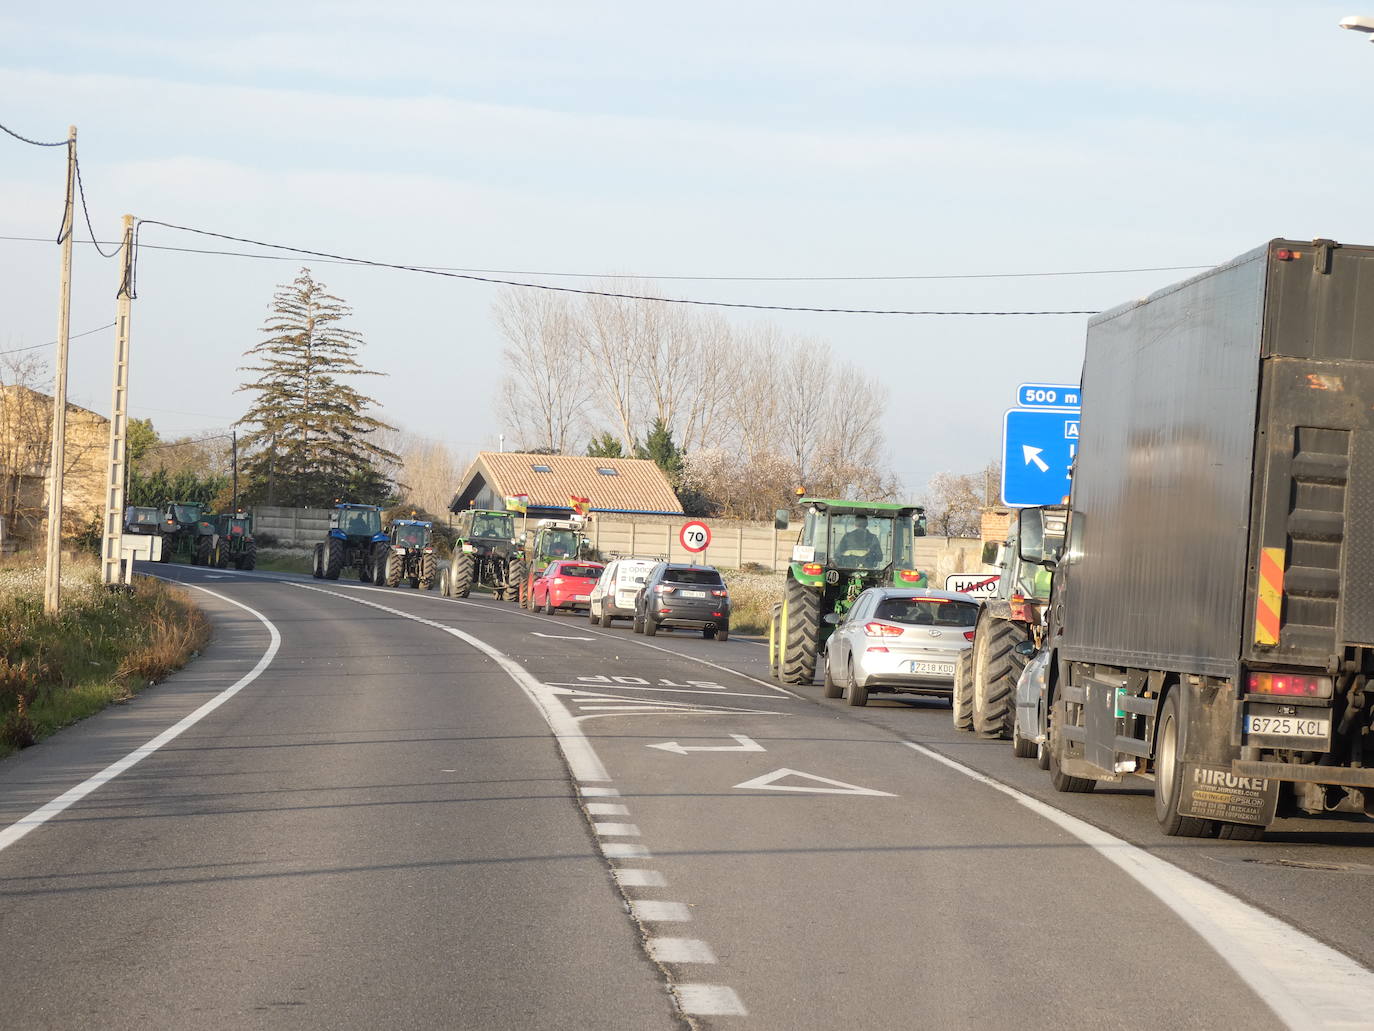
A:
[285,560]
[103,647]
[752,596]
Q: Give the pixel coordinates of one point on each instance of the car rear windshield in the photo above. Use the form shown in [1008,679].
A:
[707,577]
[588,572]
[928,611]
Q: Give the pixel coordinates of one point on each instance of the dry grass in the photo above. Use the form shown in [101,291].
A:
[102,647]
[751,599]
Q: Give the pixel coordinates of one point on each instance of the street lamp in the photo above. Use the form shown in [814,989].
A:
[1360,23]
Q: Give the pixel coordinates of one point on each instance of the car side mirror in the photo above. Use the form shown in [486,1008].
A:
[1026,648]
[780,519]
[830,617]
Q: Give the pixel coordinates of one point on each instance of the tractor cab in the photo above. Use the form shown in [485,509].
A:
[411,534]
[356,522]
[238,525]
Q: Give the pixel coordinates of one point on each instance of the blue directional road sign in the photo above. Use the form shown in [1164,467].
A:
[1049,395]
[1038,446]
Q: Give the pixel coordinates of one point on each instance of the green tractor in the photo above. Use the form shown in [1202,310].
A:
[406,554]
[552,539]
[236,545]
[188,535]
[354,533]
[846,547]
[482,555]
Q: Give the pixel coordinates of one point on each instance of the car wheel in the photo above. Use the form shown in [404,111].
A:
[829,688]
[650,626]
[855,693]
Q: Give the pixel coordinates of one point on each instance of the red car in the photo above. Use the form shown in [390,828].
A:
[565,585]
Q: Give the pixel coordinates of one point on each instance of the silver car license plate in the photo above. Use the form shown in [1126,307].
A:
[943,669]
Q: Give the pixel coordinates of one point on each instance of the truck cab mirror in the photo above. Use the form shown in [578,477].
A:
[1030,539]
[989,555]
[780,519]
[1026,648]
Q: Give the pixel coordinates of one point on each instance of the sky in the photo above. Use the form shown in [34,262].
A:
[904,139]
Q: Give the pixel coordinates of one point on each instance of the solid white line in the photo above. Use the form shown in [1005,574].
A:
[42,815]
[616,830]
[679,950]
[1307,984]
[709,1000]
[654,910]
[607,809]
[577,750]
[641,879]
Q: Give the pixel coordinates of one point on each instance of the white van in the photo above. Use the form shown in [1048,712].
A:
[614,594]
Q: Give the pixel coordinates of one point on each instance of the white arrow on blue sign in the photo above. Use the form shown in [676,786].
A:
[1049,395]
[1038,448]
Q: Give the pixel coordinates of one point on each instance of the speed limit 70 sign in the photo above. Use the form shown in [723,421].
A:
[694,536]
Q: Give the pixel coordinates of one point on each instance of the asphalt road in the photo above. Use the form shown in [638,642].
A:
[413,811]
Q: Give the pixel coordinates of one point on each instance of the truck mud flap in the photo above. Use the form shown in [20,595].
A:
[1345,776]
[1219,793]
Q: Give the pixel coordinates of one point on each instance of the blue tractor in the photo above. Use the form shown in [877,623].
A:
[354,533]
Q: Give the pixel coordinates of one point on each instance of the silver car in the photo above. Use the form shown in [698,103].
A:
[899,640]
[1032,688]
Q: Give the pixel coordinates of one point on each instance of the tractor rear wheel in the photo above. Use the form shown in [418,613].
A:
[801,630]
[428,571]
[517,573]
[997,665]
[392,568]
[775,642]
[460,576]
[317,566]
[333,558]
[205,552]
[249,558]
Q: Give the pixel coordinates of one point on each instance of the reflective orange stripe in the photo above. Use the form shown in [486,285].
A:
[1269,604]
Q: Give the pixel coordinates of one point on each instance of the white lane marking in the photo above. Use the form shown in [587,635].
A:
[560,637]
[616,830]
[654,910]
[624,850]
[599,792]
[768,782]
[607,809]
[679,950]
[709,1000]
[582,759]
[641,879]
[1307,984]
[43,814]
[742,744]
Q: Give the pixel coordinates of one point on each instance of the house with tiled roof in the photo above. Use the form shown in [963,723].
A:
[621,486]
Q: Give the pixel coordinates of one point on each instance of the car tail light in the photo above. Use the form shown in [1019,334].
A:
[882,630]
[1298,684]
[664,612]
[716,614]
[664,589]
[721,594]
[911,576]
[968,635]
[558,580]
[878,648]
[812,568]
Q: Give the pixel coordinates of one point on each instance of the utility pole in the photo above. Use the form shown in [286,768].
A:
[234,463]
[111,564]
[52,589]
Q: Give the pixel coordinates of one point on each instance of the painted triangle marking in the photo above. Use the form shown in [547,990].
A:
[769,782]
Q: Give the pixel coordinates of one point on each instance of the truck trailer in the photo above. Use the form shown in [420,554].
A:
[1212,625]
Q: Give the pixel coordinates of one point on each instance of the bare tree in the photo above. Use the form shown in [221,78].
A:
[544,390]
[955,503]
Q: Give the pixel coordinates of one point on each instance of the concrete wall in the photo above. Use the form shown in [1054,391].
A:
[299,526]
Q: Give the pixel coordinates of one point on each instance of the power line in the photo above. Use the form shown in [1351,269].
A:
[50,343]
[35,143]
[188,443]
[700,279]
[87,211]
[565,289]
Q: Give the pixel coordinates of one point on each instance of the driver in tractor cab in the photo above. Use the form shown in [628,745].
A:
[558,548]
[861,541]
[357,525]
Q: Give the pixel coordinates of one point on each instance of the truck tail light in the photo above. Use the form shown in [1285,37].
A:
[876,629]
[1292,684]
[812,568]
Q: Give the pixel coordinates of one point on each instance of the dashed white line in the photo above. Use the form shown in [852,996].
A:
[42,815]
[598,792]
[709,1000]
[1307,984]
[607,809]
[657,911]
[616,830]
[624,850]
[680,950]
[640,878]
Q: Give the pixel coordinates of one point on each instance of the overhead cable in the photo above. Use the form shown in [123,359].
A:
[35,143]
[51,343]
[87,211]
[565,289]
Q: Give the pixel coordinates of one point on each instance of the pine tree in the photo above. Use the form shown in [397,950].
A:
[309,442]
[607,445]
[660,448]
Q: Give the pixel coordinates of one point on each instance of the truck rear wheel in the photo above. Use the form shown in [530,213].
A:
[961,696]
[460,575]
[333,558]
[996,666]
[801,630]
[1169,776]
[1060,780]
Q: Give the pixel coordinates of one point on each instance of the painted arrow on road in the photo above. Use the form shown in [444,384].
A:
[745,744]
[560,637]
[769,782]
[1033,455]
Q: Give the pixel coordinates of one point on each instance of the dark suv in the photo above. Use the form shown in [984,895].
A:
[677,595]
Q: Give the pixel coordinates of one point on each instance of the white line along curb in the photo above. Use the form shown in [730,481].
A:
[42,815]
[1307,984]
